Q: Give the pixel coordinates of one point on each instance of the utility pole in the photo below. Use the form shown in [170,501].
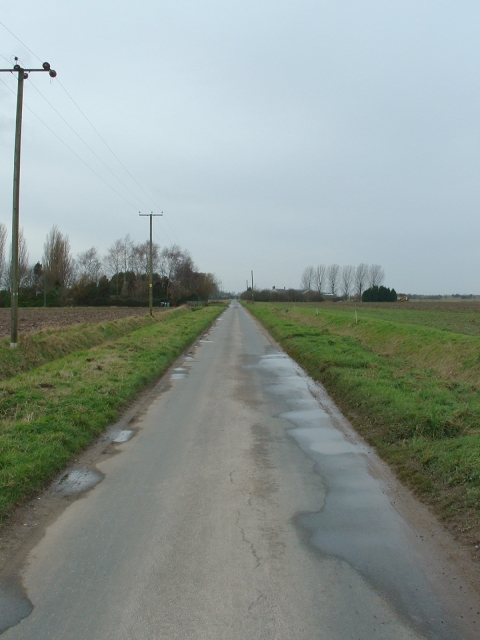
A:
[150,281]
[253,300]
[22,74]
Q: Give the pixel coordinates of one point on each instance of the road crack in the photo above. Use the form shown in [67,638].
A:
[253,550]
[261,596]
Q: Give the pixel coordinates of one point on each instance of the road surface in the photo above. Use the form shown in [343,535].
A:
[241,508]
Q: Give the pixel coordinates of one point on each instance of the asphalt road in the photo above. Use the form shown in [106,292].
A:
[241,508]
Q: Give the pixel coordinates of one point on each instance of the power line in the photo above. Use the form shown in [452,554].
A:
[109,148]
[171,229]
[157,238]
[22,43]
[2,56]
[117,158]
[88,146]
[70,149]
[99,135]
[97,132]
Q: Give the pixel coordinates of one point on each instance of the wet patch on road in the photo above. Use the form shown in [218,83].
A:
[179,373]
[123,436]
[357,524]
[14,604]
[77,481]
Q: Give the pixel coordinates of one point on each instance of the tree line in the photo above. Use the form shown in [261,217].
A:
[347,281]
[121,276]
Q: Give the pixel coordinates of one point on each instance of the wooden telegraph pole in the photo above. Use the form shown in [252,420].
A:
[150,281]
[22,74]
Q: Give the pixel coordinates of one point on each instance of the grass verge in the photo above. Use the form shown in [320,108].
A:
[410,390]
[46,345]
[54,411]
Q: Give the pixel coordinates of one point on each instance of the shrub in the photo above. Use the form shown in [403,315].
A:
[379,294]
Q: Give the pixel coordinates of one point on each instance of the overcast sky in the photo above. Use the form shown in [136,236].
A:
[273,134]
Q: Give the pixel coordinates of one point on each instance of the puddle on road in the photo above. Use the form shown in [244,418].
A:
[14,605]
[123,436]
[357,523]
[77,481]
[178,376]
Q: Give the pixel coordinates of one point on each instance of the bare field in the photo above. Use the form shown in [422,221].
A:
[31,320]
[458,317]
[444,306]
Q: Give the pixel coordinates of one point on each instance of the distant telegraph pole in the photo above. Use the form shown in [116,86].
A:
[22,74]
[150,281]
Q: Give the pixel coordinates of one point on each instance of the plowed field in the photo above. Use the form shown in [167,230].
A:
[32,320]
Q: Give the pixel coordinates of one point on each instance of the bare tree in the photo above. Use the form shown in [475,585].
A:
[348,273]
[170,259]
[361,278]
[178,270]
[205,285]
[307,278]
[126,250]
[140,258]
[319,277]
[376,275]
[112,261]
[24,271]
[333,273]
[3,246]
[58,264]
[89,265]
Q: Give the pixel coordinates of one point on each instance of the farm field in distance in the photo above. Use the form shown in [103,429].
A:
[32,319]
[458,317]
[407,375]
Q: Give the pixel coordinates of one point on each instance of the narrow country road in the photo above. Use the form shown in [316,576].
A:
[242,508]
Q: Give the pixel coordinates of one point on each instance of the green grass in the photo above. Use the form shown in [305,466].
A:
[52,412]
[44,346]
[411,390]
[456,317]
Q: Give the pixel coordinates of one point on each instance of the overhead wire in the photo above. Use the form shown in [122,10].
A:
[5,58]
[109,148]
[70,149]
[96,131]
[117,158]
[87,145]
[157,238]
[22,43]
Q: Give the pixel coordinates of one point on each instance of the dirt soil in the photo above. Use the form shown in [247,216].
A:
[31,320]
